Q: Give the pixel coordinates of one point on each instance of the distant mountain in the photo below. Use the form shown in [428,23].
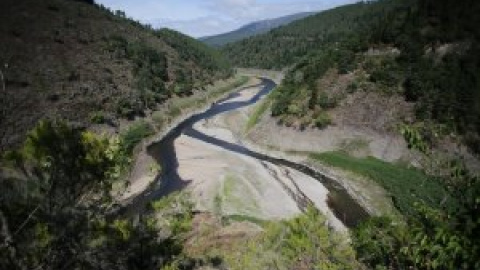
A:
[253,29]
[286,45]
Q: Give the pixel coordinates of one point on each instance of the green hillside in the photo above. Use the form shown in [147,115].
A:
[288,44]
[77,59]
[425,51]
[107,163]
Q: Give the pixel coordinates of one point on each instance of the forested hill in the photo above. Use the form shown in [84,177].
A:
[427,51]
[252,29]
[285,45]
[363,65]
[77,59]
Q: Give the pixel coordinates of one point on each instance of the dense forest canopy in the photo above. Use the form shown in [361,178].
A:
[436,66]
[428,52]
[286,45]
[425,51]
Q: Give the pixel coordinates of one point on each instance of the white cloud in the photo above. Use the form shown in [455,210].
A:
[249,10]
[199,27]
[209,17]
[234,9]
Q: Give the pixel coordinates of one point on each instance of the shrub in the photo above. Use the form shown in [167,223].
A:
[294,109]
[175,110]
[303,242]
[97,117]
[323,120]
[326,102]
[158,119]
[126,107]
[59,202]
[135,134]
[352,88]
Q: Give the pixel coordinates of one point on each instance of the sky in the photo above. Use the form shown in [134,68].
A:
[200,18]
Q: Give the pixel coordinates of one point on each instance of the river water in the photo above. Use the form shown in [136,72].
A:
[342,204]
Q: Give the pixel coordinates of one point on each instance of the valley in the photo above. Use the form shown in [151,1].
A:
[225,173]
[345,138]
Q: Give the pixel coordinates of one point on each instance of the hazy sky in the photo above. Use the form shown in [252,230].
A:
[209,17]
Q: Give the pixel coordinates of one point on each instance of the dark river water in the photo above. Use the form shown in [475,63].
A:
[345,208]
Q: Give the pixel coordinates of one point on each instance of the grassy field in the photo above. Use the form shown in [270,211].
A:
[405,185]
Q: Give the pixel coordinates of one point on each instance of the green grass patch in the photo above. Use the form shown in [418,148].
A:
[238,196]
[257,114]
[229,186]
[303,242]
[405,185]
[238,82]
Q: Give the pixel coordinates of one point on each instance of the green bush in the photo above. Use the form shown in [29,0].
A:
[326,102]
[135,134]
[56,209]
[177,209]
[97,117]
[323,120]
[294,109]
[128,107]
[282,97]
[385,72]
[303,242]
[174,110]
[430,238]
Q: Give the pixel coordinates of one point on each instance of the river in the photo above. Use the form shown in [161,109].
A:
[340,202]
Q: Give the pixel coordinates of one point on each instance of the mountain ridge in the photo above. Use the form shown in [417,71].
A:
[252,29]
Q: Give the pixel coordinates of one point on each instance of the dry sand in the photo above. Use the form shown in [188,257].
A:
[236,184]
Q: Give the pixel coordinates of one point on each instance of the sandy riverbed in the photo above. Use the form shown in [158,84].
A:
[231,183]
[236,184]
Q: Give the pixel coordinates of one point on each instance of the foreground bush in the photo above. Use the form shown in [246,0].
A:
[56,209]
[304,242]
